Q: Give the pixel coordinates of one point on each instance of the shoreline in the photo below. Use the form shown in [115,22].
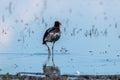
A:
[60,77]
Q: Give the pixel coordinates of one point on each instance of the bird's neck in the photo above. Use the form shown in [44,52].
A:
[57,29]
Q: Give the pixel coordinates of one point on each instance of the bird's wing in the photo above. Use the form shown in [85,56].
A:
[47,32]
[50,29]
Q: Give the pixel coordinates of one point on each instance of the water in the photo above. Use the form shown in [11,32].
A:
[72,63]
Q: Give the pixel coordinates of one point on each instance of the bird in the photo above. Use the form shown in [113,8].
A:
[52,35]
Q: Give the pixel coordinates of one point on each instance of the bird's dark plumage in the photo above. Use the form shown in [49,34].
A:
[52,34]
[46,33]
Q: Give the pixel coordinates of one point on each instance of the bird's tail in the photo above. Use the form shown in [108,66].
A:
[44,42]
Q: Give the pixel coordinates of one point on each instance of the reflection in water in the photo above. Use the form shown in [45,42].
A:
[51,70]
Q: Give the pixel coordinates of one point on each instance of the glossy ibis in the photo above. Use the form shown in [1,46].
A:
[52,35]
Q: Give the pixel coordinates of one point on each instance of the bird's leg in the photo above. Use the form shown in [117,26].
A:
[48,53]
[53,54]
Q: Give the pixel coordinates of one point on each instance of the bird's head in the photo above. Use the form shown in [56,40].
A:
[57,24]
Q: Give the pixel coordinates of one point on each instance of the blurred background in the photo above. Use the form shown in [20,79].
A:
[90,33]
